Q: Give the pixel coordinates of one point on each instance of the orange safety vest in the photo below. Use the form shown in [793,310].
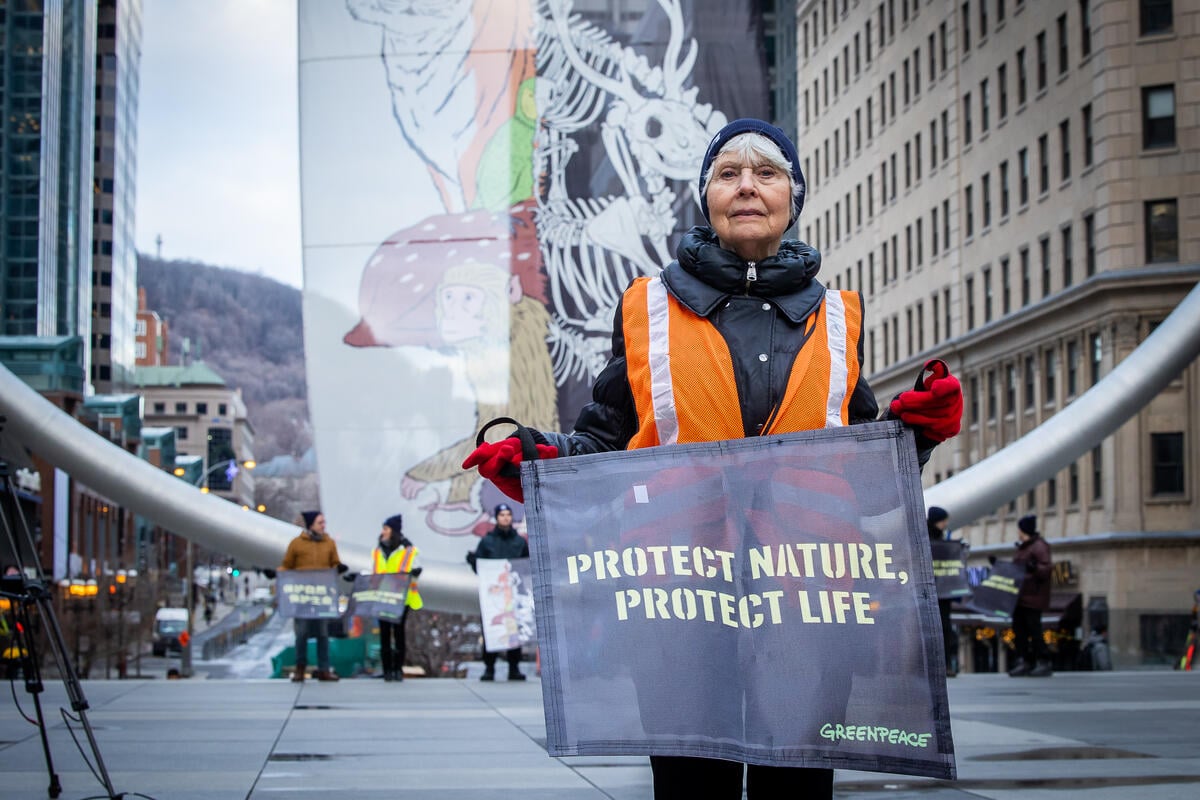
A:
[681,373]
[401,560]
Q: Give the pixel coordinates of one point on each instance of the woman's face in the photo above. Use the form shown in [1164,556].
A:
[749,206]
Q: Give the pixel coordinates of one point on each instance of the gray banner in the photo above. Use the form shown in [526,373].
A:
[380,595]
[765,600]
[308,593]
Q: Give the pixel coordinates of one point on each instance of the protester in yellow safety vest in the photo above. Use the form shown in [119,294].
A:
[734,338]
[395,553]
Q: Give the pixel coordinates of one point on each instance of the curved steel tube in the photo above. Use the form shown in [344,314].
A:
[1038,455]
[258,539]
[177,506]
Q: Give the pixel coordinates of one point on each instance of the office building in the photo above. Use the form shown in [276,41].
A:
[1013,185]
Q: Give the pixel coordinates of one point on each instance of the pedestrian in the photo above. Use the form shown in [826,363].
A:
[502,541]
[1033,657]
[742,305]
[938,522]
[395,553]
[314,548]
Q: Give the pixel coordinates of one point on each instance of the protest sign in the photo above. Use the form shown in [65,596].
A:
[996,595]
[506,602]
[768,600]
[949,569]
[308,594]
[381,595]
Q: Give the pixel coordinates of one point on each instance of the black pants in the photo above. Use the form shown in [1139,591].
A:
[680,778]
[1027,629]
[513,656]
[949,637]
[391,643]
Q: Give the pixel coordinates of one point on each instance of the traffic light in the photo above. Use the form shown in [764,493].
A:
[234,571]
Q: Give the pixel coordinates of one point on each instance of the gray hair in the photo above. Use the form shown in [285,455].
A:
[754,148]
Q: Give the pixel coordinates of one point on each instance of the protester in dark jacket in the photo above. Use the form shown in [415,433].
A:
[314,548]
[1034,553]
[502,541]
[938,522]
[742,304]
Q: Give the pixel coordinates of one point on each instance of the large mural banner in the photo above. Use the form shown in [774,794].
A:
[480,181]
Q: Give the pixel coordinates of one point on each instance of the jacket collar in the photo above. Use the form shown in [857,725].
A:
[704,275]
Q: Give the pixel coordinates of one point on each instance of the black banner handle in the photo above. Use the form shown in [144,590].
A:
[527,436]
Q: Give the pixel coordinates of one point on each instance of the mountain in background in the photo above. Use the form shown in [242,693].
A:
[249,329]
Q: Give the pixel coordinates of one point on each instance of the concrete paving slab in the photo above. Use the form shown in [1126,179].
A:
[1103,735]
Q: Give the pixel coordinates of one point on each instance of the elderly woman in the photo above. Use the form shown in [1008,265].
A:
[735,338]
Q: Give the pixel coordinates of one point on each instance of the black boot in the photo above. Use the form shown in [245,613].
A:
[1042,670]
[1021,669]
[489,674]
[515,674]
[397,675]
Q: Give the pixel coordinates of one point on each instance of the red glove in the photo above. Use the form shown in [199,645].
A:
[935,408]
[493,457]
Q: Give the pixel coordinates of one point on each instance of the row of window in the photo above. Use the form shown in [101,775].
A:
[182,407]
[1012,388]
[999,289]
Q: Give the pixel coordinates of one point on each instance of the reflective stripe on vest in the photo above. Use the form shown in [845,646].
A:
[681,373]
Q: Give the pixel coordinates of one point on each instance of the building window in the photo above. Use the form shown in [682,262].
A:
[946,311]
[985,192]
[1089,244]
[966,27]
[1097,473]
[942,44]
[222,409]
[1051,357]
[1067,265]
[1041,60]
[181,408]
[1085,28]
[181,434]
[1005,286]
[1064,139]
[999,12]
[1158,116]
[1097,347]
[991,395]
[1166,456]
[1043,164]
[1088,153]
[970,303]
[1052,493]
[984,109]
[160,408]
[1023,177]
[1022,77]
[945,135]
[1062,44]
[933,227]
[201,408]
[945,226]
[1003,189]
[1156,16]
[1072,368]
[1025,281]
[1044,249]
[1030,384]
[139,328]
[1162,231]
[968,212]
[1073,484]
[1002,90]
[973,388]
[1010,389]
[934,316]
[987,294]
[966,106]
[139,349]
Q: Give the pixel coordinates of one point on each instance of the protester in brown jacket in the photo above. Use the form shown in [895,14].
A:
[1034,598]
[312,549]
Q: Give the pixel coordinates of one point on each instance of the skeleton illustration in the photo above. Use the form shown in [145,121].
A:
[653,132]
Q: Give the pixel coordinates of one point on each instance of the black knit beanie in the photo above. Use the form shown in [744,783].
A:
[309,518]
[776,135]
[1028,525]
[396,523]
[937,514]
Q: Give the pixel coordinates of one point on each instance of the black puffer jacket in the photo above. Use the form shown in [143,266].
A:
[712,282]
[501,543]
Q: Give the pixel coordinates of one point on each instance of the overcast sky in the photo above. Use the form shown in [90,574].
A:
[218,168]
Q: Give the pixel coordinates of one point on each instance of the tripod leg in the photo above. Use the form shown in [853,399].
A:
[24,641]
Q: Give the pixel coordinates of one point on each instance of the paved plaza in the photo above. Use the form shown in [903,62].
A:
[1099,735]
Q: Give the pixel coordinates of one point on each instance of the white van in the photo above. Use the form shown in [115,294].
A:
[168,624]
